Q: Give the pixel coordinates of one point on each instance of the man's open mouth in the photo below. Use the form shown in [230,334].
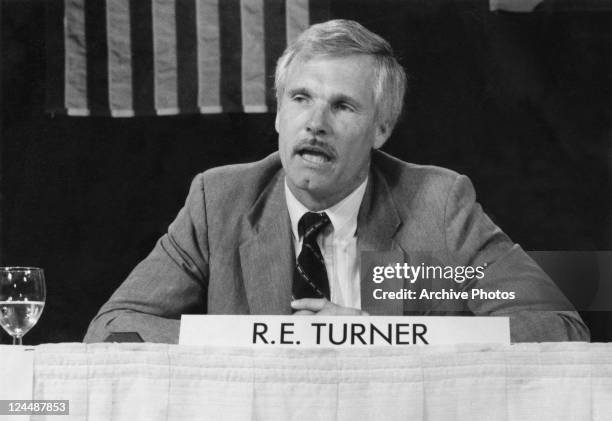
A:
[314,155]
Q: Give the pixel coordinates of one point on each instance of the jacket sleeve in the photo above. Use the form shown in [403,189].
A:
[171,281]
[539,312]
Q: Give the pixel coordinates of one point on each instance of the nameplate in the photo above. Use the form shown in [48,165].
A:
[340,331]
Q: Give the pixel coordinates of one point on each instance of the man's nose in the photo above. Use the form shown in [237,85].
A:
[318,123]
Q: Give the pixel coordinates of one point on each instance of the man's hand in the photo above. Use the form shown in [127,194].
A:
[323,307]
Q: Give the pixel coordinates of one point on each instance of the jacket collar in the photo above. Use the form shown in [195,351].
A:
[377,224]
[267,255]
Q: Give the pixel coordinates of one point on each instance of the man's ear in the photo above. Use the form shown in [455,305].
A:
[276,122]
[383,131]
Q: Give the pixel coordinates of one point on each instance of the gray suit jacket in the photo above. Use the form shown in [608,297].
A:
[230,251]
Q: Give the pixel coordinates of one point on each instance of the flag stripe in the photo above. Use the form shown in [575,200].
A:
[76,61]
[55,53]
[119,58]
[253,52]
[297,18]
[209,56]
[231,55]
[141,40]
[319,11]
[186,55]
[97,57]
[275,42]
[164,48]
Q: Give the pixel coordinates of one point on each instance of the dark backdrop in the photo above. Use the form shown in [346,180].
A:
[519,102]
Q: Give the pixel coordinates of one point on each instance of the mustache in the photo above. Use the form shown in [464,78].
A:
[315,145]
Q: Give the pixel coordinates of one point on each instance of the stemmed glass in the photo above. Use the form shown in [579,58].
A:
[22,298]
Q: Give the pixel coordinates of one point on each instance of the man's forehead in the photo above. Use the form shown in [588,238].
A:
[345,71]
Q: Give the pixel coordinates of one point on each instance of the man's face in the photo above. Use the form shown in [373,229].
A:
[327,127]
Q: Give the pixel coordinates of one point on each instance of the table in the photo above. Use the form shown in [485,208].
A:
[548,381]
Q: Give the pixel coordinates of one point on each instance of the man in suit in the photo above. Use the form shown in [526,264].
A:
[288,234]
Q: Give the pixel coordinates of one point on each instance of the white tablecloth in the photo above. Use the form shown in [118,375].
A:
[562,381]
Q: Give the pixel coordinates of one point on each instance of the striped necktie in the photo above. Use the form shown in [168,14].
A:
[310,279]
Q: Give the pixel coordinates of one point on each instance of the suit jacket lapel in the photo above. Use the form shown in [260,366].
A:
[377,223]
[267,255]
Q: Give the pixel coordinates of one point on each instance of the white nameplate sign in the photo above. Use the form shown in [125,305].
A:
[340,331]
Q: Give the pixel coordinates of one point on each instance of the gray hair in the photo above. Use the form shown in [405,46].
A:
[341,38]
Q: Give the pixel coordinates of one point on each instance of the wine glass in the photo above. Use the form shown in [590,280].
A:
[22,298]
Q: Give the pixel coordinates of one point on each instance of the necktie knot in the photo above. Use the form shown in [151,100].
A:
[311,224]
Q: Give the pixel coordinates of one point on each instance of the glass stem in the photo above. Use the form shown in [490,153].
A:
[17,340]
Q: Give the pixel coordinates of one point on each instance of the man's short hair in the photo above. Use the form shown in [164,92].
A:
[341,38]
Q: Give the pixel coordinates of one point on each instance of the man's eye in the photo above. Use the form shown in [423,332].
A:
[343,106]
[299,98]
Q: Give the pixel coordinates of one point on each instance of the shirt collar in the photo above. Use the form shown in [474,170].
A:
[343,215]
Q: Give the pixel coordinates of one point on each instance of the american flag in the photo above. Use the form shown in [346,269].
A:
[124,58]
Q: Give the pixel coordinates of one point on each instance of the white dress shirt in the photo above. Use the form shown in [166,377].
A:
[338,244]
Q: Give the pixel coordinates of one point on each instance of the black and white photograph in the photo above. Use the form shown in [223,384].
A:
[306,209]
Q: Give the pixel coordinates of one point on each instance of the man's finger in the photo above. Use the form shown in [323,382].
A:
[336,310]
[313,304]
[303,313]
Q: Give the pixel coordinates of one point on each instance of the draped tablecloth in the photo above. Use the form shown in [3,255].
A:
[549,381]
